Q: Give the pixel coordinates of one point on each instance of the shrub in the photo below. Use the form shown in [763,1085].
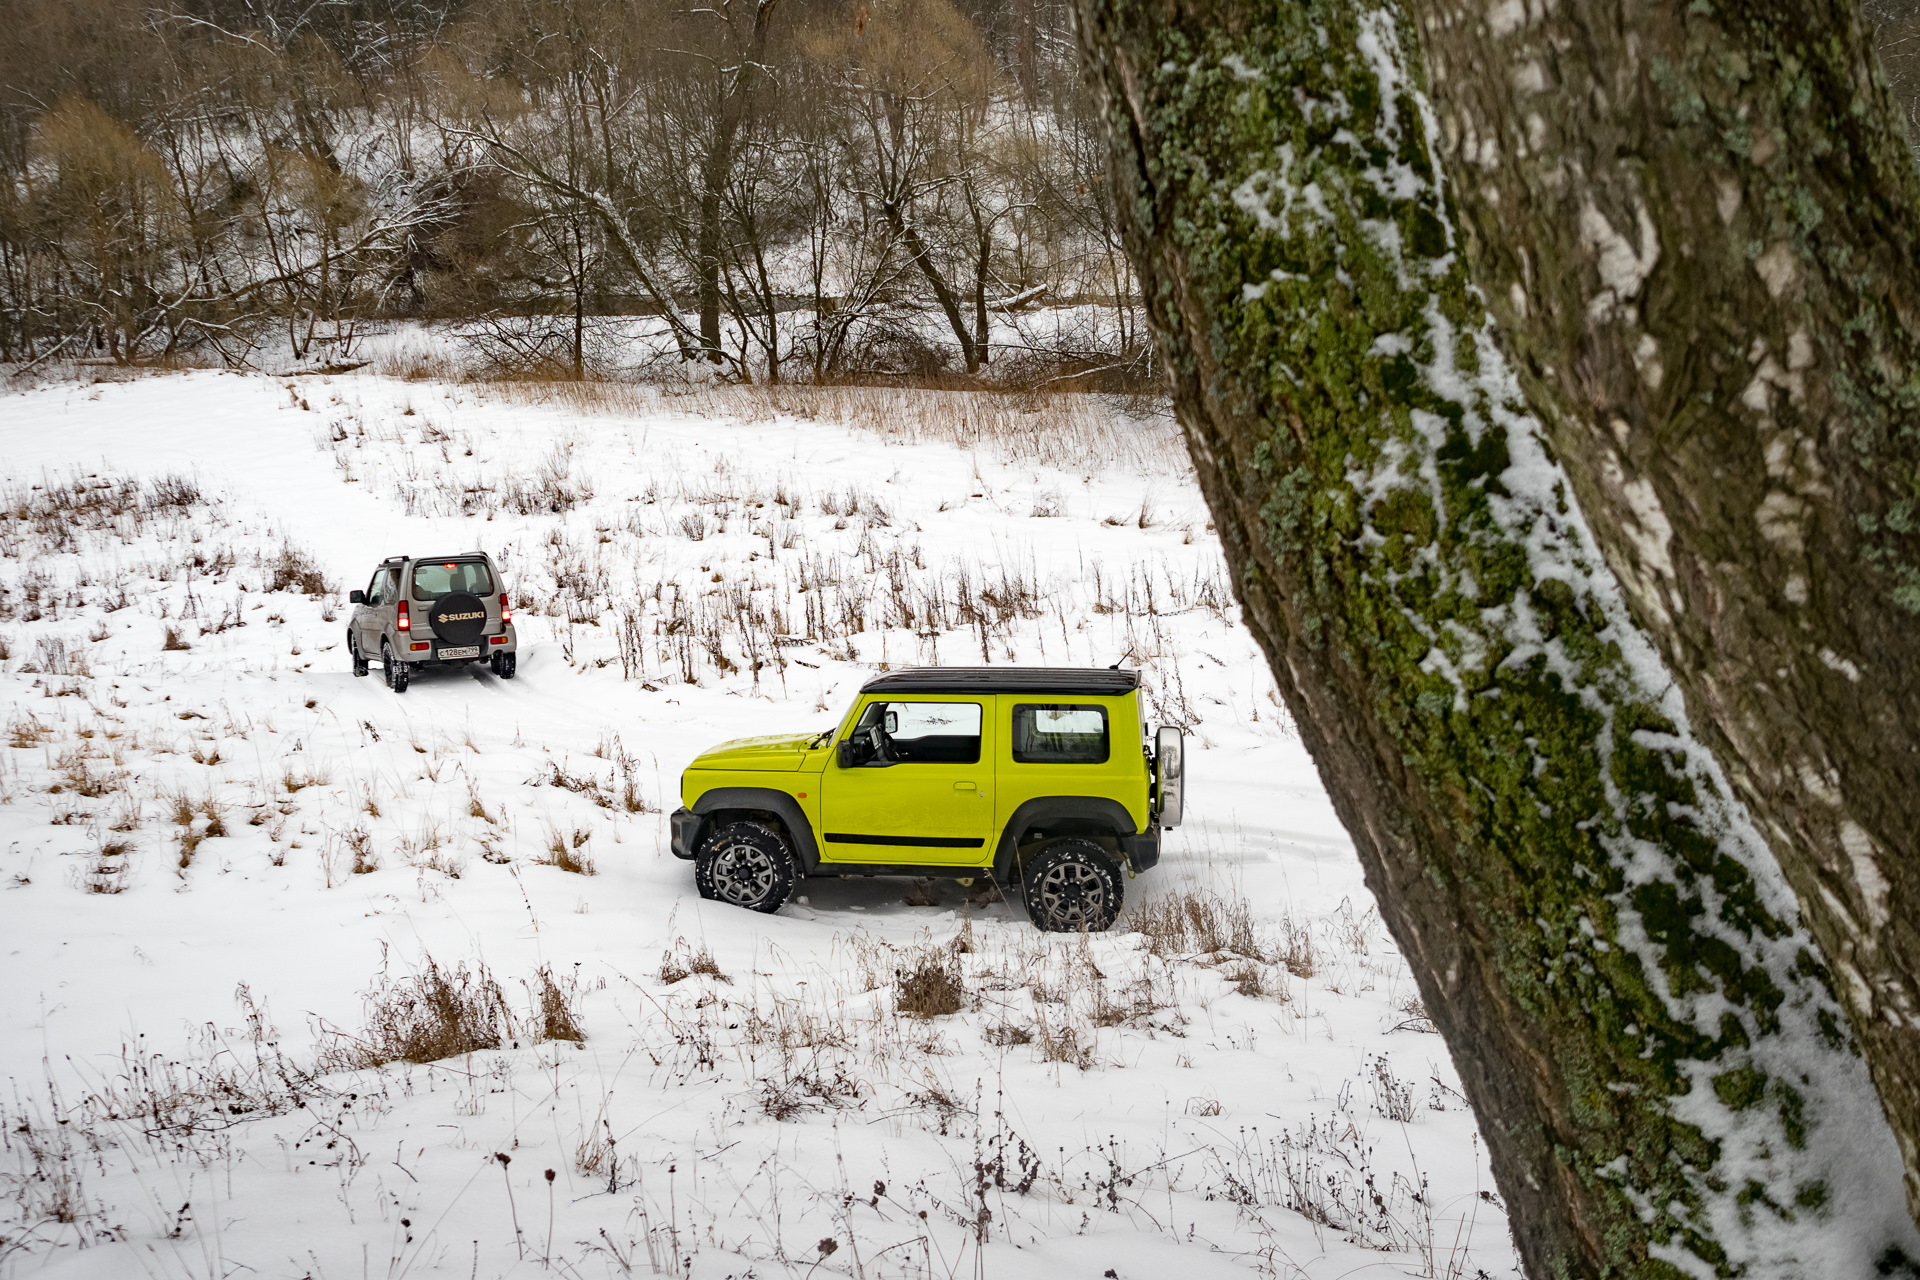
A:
[929,986]
[437,1013]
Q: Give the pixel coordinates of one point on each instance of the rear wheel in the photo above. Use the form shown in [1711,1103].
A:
[1072,886]
[503,665]
[393,669]
[746,865]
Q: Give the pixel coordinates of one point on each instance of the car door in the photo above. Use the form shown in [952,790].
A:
[372,618]
[926,794]
[1064,747]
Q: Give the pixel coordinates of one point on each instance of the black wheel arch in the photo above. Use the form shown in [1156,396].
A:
[722,805]
[1106,822]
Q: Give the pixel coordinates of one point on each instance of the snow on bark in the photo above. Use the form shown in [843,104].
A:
[1758,387]
[1410,524]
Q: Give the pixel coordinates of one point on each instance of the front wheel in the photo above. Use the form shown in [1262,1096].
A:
[746,865]
[359,659]
[1072,886]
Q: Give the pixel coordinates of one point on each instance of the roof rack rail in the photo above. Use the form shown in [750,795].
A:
[1097,681]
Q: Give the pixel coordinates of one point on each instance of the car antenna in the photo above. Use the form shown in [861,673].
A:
[1123,658]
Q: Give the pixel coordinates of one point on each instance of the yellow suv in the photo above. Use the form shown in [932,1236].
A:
[1038,774]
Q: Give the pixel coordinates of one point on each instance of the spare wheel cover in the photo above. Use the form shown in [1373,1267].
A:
[458,617]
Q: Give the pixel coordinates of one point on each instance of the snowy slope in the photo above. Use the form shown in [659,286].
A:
[214,854]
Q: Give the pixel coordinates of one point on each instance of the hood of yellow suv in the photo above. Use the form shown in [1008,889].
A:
[774,753]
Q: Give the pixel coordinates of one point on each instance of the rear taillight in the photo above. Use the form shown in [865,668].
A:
[506,612]
[404,624]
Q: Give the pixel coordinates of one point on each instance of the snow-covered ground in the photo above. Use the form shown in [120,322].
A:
[228,864]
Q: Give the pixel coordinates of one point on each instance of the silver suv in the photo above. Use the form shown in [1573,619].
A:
[442,610]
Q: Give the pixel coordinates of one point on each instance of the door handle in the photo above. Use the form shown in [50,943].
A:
[965,786]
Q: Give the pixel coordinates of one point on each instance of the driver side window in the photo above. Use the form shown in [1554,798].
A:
[920,732]
[373,588]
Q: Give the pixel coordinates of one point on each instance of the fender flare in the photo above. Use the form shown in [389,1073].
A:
[1038,812]
[776,802]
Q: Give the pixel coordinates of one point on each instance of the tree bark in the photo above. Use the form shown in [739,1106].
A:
[736,95]
[1696,226]
[1653,1050]
[921,256]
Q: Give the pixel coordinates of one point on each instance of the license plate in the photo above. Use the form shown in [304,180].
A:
[462,651]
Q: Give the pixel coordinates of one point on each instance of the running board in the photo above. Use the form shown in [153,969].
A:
[943,871]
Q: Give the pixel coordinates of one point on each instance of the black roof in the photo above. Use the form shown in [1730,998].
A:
[1096,681]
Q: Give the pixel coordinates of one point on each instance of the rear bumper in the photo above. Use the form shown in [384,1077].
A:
[685,826]
[1143,850]
[488,645]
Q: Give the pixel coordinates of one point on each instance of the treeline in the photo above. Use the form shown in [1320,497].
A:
[794,188]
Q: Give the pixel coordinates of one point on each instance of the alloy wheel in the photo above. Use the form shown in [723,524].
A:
[743,874]
[1071,894]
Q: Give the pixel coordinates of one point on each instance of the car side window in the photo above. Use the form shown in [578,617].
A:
[1060,733]
[925,732]
[373,588]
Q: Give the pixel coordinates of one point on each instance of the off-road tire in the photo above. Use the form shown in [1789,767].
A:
[1072,886]
[353,651]
[503,664]
[745,864]
[396,672]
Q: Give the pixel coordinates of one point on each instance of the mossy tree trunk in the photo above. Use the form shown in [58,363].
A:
[1659,1066]
[1698,227]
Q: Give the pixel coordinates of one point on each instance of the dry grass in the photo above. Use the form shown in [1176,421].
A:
[292,569]
[1191,921]
[295,782]
[1064,429]
[556,1014]
[435,1014]
[1061,1042]
[107,869]
[445,1012]
[1298,953]
[25,732]
[567,854]
[929,985]
[360,844]
[74,775]
[173,642]
[681,962]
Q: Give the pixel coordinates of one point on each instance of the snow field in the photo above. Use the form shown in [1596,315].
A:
[231,862]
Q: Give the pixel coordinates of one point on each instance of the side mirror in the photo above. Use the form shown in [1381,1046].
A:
[846,752]
[356,597]
[893,723]
[1170,774]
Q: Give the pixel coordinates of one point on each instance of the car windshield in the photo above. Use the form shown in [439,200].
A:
[431,581]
